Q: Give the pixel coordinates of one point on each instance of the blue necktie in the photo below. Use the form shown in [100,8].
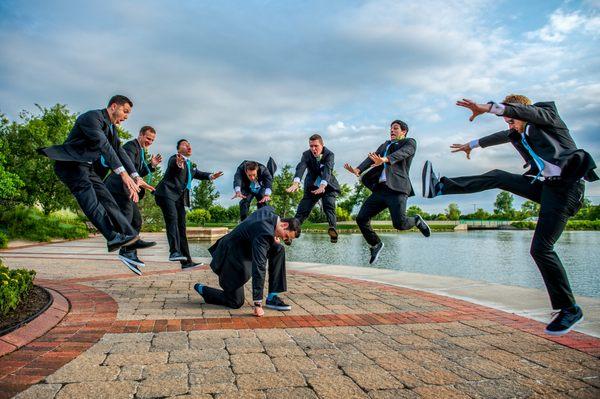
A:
[538,161]
[254,187]
[189,173]
[386,152]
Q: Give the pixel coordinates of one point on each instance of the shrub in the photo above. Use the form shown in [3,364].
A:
[199,216]
[32,224]
[219,214]
[3,240]
[14,286]
[342,214]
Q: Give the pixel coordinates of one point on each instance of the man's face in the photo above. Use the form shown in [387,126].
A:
[515,124]
[316,147]
[146,139]
[252,174]
[118,113]
[396,132]
[185,148]
[285,235]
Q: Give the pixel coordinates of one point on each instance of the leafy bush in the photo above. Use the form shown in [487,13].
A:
[199,216]
[31,224]
[583,225]
[3,240]
[524,225]
[342,214]
[14,286]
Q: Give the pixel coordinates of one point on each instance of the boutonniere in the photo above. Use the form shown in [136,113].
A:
[193,165]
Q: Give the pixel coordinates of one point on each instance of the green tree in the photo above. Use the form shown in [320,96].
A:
[415,210]
[151,213]
[355,198]
[453,212]
[40,185]
[10,183]
[530,208]
[504,204]
[285,203]
[204,195]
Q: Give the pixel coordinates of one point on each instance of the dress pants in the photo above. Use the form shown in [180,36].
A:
[245,205]
[558,201]
[235,298]
[309,200]
[132,212]
[381,198]
[174,215]
[93,197]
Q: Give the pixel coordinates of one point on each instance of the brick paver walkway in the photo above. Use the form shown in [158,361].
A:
[152,336]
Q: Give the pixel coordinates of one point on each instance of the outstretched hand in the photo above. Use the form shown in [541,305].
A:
[155,160]
[216,175]
[352,170]
[131,186]
[238,194]
[180,160]
[377,159]
[476,109]
[265,199]
[462,147]
[293,188]
[319,190]
[142,184]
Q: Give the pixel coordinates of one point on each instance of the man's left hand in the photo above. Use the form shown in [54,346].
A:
[377,159]
[320,190]
[476,109]
[142,184]
[155,160]
[216,175]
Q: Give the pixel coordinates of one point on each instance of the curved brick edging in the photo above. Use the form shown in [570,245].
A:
[36,327]
[91,315]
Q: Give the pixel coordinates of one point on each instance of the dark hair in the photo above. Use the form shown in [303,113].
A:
[120,100]
[250,165]
[293,225]
[403,125]
[145,129]
[316,137]
[181,141]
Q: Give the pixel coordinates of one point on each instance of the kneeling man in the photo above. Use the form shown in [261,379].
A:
[243,253]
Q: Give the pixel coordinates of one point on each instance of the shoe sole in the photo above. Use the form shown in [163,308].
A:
[427,179]
[178,259]
[427,232]
[126,259]
[131,267]
[125,244]
[563,332]
[333,235]
[191,267]
[281,308]
[378,253]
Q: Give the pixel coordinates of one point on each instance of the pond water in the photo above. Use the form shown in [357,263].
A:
[494,256]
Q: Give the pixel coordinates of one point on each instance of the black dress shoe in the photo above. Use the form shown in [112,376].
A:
[422,226]
[121,240]
[140,244]
[176,257]
[430,181]
[189,265]
[375,251]
[333,234]
[131,257]
[130,265]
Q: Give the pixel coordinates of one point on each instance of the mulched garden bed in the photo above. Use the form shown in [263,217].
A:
[37,300]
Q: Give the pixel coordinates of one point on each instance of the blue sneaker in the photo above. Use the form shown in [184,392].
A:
[564,321]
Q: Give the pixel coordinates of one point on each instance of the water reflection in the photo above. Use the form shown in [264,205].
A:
[493,256]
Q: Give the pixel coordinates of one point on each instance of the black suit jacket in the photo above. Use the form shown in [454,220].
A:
[548,137]
[242,253]
[89,138]
[133,149]
[174,183]
[315,169]
[400,155]
[264,177]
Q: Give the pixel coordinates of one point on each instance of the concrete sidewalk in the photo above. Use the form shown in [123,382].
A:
[352,332]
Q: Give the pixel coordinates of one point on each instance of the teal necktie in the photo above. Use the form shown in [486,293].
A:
[189,173]
[145,165]
[536,158]
[254,187]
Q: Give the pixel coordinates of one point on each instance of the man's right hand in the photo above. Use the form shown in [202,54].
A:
[180,160]
[462,147]
[352,170]
[293,188]
[238,194]
[131,186]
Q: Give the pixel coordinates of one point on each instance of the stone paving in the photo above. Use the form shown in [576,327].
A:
[153,337]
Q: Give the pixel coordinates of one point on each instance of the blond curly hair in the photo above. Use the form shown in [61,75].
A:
[517,98]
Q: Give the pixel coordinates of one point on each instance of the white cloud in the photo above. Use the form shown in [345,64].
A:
[563,23]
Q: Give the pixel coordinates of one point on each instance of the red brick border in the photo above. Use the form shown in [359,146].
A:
[37,327]
[90,316]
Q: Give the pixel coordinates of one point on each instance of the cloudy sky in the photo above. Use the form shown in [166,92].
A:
[249,79]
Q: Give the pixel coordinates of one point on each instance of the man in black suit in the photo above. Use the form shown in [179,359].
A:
[555,177]
[320,183]
[94,137]
[173,196]
[136,150]
[253,180]
[385,173]
[244,253]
